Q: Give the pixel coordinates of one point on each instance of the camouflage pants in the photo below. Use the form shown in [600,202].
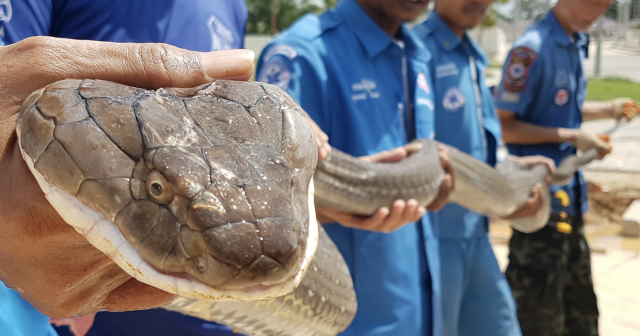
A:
[550,276]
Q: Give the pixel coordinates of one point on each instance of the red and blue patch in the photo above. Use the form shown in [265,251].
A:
[517,72]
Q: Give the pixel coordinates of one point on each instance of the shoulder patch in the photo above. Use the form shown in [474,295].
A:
[276,73]
[281,49]
[517,70]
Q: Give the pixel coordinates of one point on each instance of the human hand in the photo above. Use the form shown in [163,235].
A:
[624,107]
[585,141]
[42,257]
[533,204]
[385,219]
[533,160]
[321,139]
[448,182]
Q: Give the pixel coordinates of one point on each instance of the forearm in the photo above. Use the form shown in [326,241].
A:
[592,110]
[524,133]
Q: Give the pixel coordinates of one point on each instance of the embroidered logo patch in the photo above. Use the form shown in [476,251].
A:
[453,100]
[221,36]
[517,72]
[364,89]
[562,97]
[275,73]
[422,83]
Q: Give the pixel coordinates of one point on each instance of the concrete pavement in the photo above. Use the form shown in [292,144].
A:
[615,62]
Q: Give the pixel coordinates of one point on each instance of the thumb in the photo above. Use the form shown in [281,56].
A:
[38,61]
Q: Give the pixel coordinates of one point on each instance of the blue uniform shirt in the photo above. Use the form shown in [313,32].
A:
[544,84]
[201,25]
[19,318]
[465,116]
[349,75]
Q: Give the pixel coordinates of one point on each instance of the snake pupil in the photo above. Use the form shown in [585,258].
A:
[156,189]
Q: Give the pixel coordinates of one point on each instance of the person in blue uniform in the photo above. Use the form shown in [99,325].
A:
[359,73]
[541,102]
[202,25]
[477,299]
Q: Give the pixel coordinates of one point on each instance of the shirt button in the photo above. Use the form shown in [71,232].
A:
[447,43]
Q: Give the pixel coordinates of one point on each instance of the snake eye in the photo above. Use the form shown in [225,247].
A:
[158,188]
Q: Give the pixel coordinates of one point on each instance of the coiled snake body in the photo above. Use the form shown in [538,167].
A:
[207,193]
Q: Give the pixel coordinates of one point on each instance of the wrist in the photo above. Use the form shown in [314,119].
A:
[568,134]
[611,112]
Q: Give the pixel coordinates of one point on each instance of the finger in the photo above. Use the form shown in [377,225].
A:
[392,155]
[551,166]
[322,139]
[536,193]
[323,151]
[148,65]
[412,212]
[373,223]
[443,194]
[395,217]
[448,167]
[413,146]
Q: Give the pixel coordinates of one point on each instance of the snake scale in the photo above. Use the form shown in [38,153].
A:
[208,193]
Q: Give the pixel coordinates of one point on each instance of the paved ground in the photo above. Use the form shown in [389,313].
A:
[616,260]
[616,62]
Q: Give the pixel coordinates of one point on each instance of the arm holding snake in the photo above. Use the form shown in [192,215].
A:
[42,257]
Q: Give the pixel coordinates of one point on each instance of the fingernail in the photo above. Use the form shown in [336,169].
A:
[228,63]
[322,153]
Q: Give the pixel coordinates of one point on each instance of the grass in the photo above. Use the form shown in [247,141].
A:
[612,87]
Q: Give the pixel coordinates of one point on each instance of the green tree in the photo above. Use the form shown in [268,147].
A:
[262,17]
[492,15]
[330,3]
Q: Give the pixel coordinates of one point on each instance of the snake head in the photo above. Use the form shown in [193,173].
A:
[223,215]
[203,192]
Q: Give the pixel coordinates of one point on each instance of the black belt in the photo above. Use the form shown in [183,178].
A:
[563,222]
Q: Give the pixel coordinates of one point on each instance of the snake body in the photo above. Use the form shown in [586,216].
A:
[207,193]
[361,187]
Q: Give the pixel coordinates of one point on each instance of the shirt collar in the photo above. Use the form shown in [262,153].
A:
[561,36]
[449,41]
[372,38]
[415,48]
